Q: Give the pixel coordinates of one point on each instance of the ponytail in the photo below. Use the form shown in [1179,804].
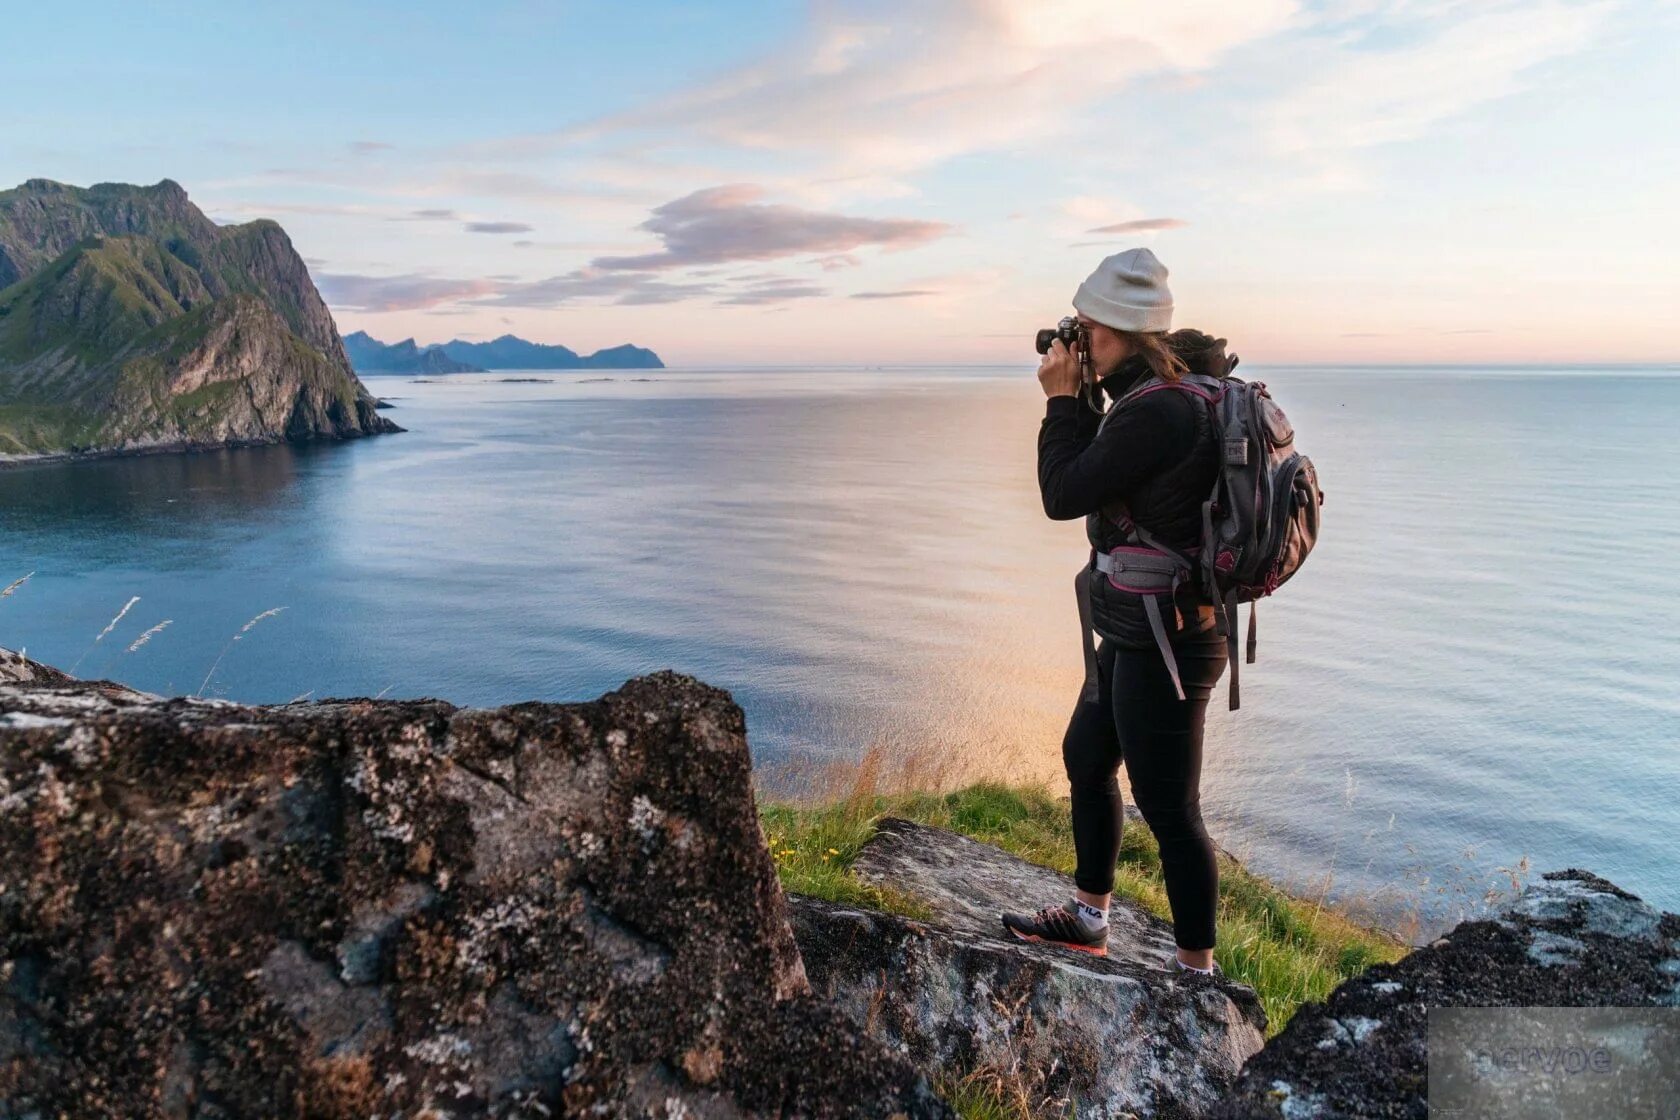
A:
[1152,349]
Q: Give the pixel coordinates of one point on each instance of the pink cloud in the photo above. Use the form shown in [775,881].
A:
[876,88]
[728,223]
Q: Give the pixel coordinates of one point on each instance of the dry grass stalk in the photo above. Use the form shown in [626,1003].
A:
[109,626]
[243,630]
[148,635]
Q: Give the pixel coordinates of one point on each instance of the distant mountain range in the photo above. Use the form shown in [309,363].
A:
[369,355]
[129,321]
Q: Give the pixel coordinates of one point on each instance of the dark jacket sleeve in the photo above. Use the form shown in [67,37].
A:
[1081,470]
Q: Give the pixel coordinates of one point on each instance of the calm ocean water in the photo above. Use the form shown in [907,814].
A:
[1478,664]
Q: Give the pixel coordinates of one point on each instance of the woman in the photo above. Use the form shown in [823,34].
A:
[1153,460]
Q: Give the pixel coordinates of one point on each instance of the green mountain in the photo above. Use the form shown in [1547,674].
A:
[129,321]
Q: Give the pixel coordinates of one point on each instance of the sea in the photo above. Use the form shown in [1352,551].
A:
[1474,679]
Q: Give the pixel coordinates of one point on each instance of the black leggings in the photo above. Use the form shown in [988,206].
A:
[1138,715]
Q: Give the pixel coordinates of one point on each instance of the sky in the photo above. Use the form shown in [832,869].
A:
[915,181]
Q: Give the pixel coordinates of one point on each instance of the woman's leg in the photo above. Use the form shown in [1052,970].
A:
[1091,756]
[1161,737]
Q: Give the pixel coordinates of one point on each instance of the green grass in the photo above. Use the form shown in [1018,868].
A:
[94,300]
[197,413]
[981,1096]
[814,849]
[30,429]
[1289,950]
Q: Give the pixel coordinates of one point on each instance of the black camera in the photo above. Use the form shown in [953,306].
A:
[1078,339]
[1069,330]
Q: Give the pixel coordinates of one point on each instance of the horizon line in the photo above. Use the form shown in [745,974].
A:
[1667,364]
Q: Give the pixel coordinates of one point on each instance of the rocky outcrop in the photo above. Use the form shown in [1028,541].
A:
[1114,1036]
[356,909]
[1571,939]
[131,322]
[42,220]
[364,909]
[15,668]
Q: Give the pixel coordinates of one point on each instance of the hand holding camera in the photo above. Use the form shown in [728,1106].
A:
[1065,348]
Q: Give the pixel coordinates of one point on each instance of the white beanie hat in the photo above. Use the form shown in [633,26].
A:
[1128,292]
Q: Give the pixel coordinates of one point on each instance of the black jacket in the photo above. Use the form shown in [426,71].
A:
[1155,459]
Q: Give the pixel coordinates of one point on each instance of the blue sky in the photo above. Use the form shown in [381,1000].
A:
[1375,180]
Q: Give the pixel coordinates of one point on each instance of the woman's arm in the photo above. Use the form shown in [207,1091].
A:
[1081,470]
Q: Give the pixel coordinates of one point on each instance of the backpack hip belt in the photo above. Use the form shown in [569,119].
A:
[1147,570]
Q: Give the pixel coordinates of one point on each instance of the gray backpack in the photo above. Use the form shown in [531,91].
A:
[1259,522]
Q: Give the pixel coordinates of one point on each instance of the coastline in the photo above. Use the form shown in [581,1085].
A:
[9,461]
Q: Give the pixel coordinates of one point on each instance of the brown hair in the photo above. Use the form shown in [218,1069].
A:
[1152,348]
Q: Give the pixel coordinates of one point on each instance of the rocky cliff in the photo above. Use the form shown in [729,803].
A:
[359,909]
[1100,1036]
[129,321]
[363,909]
[1570,939]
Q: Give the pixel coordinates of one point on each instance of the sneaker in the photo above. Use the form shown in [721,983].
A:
[1058,925]
[1174,965]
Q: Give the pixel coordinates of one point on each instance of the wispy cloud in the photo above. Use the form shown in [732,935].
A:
[581,195]
[367,147]
[903,293]
[313,209]
[396,293]
[1141,225]
[878,88]
[436,295]
[580,191]
[498,227]
[592,284]
[1106,216]
[775,292]
[1451,57]
[728,223]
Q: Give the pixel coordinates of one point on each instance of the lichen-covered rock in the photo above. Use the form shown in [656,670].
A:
[365,909]
[1111,1036]
[15,668]
[1570,939]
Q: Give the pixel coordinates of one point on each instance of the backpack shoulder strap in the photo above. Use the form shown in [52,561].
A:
[1128,396]
[1208,389]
